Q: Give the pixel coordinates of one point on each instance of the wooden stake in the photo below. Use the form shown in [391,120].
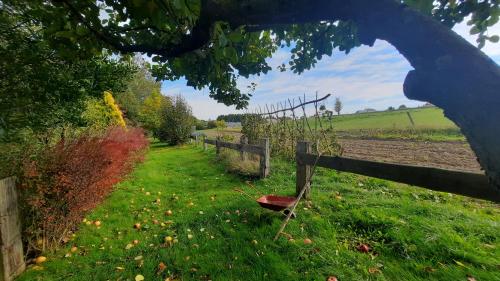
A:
[285,222]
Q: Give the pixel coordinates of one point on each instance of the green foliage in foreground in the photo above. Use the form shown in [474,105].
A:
[415,234]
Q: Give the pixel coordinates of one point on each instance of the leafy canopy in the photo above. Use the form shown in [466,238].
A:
[138,89]
[41,89]
[151,111]
[211,42]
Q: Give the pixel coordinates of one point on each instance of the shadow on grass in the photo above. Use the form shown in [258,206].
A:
[156,145]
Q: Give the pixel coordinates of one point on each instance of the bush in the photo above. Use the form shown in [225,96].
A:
[201,124]
[220,124]
[150,113]
[177,122]
[102,113]
[67,180]
[211,124]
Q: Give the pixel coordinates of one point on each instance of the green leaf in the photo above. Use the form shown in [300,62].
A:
[235,36]
[474,30]
[222,40]
[494,38]
[231,54]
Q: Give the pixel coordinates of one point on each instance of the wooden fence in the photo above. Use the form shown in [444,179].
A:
[11,248]
[243,147]
[468,184]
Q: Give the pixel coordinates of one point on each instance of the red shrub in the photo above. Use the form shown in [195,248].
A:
[73,177]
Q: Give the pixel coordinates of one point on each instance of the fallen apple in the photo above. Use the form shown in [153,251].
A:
[37,268]
[331,278]
[135,242]
[169,239]
[161,267]
[137,226]
[307,241]
[168,212]
[74,249]
[40,259]
[97,223]
[363,248]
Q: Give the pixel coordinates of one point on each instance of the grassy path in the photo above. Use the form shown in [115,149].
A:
[221,235]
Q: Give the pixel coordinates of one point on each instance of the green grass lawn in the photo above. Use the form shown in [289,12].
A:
[415,234]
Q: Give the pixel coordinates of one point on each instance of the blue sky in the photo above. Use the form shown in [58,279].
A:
[367,77]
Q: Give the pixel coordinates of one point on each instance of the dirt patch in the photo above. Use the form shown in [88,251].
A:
[446,155]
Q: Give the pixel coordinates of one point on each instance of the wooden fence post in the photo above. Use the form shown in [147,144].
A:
[11,247]
[265,158]
[243,154]
[204,143]
[217,147]
[303,171]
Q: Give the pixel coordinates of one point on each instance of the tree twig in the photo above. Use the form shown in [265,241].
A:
[297,106]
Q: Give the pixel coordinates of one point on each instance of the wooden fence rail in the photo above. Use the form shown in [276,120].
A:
[468,184]
[243,147]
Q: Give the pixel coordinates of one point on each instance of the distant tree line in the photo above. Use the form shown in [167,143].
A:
[231,117]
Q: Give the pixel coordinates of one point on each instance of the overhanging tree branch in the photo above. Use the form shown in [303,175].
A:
[199,36]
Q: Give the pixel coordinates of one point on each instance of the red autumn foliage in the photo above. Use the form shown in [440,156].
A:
[72,177]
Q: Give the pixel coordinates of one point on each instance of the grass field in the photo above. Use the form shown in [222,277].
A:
[431,118]
[429,124]
[221,235]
